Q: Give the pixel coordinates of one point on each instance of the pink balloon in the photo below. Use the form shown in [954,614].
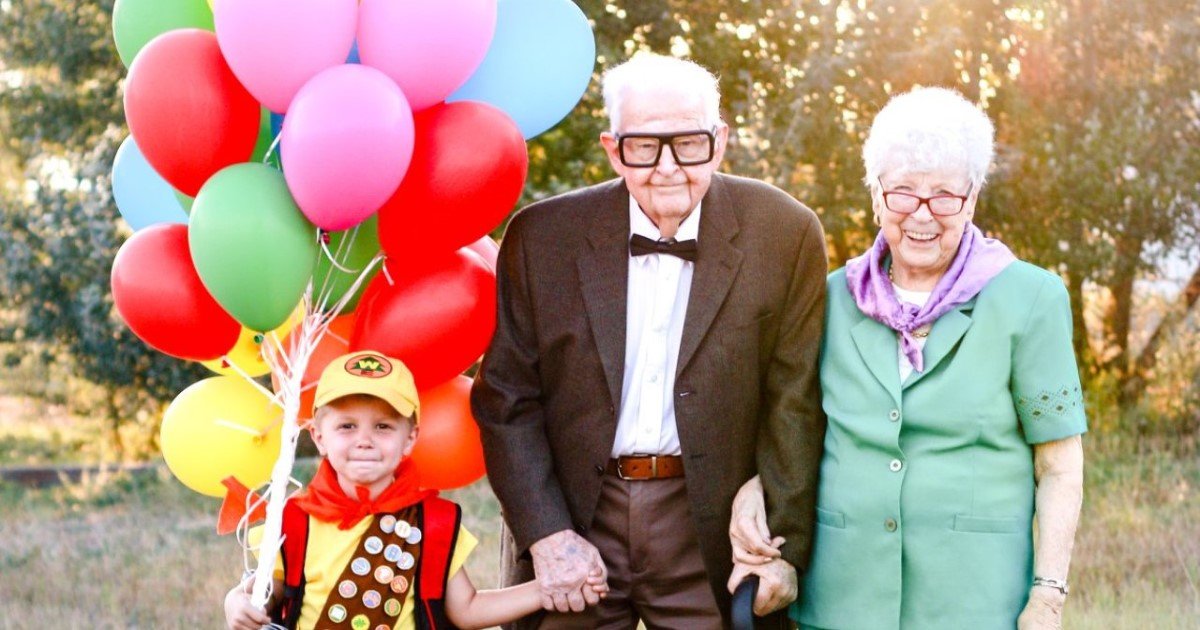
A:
[346,143]
[275,46]
[429,48]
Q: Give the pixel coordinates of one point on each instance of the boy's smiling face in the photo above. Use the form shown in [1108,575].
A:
[364,439]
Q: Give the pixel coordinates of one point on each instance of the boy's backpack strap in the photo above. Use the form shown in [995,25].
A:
[294,548]
[440,520]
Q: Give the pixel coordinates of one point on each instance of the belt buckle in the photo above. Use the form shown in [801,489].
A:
[653,467]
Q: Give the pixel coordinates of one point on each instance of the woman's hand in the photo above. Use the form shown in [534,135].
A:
[748,533]
[1043,611]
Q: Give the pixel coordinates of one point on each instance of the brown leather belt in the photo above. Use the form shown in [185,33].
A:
[643,467]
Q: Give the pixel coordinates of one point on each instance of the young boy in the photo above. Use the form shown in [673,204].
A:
[375,550]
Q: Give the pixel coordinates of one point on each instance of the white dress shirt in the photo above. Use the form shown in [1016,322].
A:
[658,290]
[918,298]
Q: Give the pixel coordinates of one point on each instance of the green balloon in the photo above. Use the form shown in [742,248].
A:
[185,201]
[252,247]
[136,22]
[353,254]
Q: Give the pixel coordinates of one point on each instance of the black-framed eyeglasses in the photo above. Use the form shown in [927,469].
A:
[908,203]
[689,148]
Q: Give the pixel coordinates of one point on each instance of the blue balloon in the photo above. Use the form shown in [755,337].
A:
[539,63]
[142,196]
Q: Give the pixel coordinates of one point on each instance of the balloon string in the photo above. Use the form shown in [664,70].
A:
[388,275]
[333,261]
[271,149]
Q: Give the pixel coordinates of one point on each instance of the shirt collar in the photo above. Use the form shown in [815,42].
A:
[641,224]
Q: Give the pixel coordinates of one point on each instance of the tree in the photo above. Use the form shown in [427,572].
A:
[59,229]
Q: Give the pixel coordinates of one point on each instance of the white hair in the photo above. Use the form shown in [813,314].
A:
[649,70]
[928,130]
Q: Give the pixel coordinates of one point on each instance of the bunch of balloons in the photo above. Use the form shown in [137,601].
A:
[400,127]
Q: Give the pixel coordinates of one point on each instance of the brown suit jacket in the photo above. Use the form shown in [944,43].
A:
[747,396]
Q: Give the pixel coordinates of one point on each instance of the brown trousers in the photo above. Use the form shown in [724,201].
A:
[645,534]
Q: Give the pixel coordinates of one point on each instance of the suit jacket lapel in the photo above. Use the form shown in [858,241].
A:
[717,265]
[877,345]
[603,275]
[946,332]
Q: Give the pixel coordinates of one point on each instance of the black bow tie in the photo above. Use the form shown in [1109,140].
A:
[640,246]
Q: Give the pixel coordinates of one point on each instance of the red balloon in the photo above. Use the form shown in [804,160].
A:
[488,249]
[334,344]
[186,110]
[468,168]
[448,453]
[438,319]
[159,295]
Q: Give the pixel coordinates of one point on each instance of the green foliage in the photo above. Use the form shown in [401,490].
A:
[58,227]
[1095,105]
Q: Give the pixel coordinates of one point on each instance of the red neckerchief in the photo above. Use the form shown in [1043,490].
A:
[325,499]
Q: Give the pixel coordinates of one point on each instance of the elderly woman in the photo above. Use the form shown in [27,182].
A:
[954,406]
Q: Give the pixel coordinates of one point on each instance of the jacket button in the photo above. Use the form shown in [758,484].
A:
[896,465]
[890,524]
[581,529]
[894,415]
[599,469]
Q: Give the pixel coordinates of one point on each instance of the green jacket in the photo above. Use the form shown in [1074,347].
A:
[926,499]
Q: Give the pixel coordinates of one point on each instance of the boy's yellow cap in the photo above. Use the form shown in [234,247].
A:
[372,373]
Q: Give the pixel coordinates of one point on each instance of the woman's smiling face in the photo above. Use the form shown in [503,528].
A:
[923,244]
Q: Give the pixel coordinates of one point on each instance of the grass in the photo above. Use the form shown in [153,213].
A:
[118,552]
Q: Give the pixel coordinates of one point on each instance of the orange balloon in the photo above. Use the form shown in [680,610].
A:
[334,344]
[448,453]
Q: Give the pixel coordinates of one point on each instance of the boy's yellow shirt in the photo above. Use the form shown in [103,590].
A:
[330,550]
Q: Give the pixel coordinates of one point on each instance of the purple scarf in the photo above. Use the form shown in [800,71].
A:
[979,259]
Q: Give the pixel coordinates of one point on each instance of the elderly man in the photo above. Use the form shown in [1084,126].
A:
[656,346]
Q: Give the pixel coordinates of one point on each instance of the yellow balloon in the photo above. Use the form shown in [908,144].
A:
[247,352]
[218,427]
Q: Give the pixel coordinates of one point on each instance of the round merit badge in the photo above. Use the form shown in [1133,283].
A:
[347,589]
[360,566]
[403,528]
[392,607]
[337,613]
[372,599]
[373,545]
[384,574]
[391,553]
[413,537]
[406,561]
[399,584]
[360,622]
[387,523]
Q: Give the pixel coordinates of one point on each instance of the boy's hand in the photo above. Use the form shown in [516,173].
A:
[597,583]
[240,614]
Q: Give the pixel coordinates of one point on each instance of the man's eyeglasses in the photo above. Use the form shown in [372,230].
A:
[908,203]
[689,148]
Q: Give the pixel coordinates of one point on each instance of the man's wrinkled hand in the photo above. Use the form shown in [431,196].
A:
[563,563]
[778,585]
[748,533]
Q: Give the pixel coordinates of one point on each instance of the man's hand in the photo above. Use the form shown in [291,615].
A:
[240,614]
[777,586]
[563,562]
[1043,611]
[748,533]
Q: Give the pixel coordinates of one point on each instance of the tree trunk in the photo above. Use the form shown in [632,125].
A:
[1083,350]
[1120,315]
[113,411]
[1144,364]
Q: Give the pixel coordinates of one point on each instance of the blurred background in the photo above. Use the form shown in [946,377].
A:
[1097,112]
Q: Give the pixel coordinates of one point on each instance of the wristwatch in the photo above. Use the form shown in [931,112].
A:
[1058,585]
